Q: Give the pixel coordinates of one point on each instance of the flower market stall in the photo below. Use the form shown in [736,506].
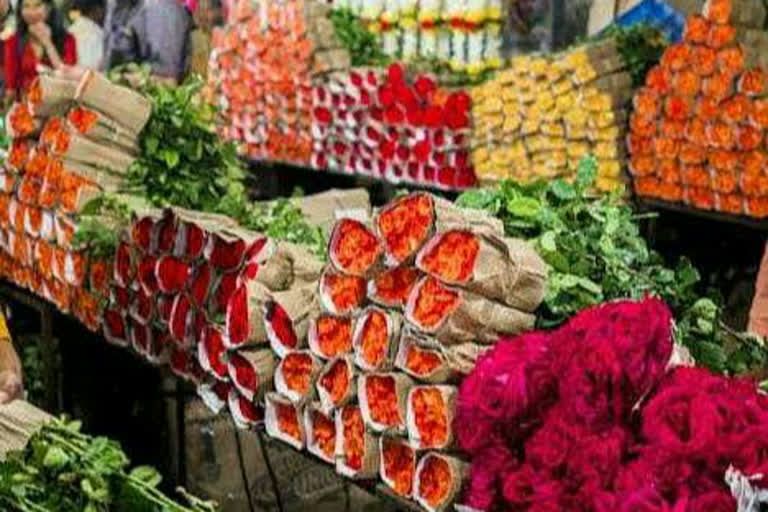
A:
[517,346]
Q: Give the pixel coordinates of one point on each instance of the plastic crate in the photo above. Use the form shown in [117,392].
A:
[656,13]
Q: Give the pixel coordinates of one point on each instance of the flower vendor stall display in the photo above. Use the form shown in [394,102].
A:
[592,415]
[48,180]
[537,118]
[697,127]
[262,70]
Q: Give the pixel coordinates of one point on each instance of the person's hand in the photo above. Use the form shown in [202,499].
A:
[11,386]
[41,31]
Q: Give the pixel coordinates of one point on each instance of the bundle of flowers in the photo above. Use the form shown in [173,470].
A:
[539,117]
[464,34]
[593,416]
[48,180]
[698,125]
[392,126]
[261,74]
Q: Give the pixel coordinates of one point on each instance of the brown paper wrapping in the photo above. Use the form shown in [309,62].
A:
[18,422]
[130,108]
[326,61]
[459,473]
[282,387]
[370,463]
[263,363]
[506,269]
[82,149]
[320,209]
[326,403]
[462,358]
[475,319]
[745,13]
[290,265]
[403,384]
[236,406]
[301,305]
[394,326]
[440,375]
[449,394]
[270,421]
[104,179]
[56,95]
[312,446]
[109,132]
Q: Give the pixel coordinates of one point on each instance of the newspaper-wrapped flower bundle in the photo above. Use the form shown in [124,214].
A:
[698,125]
[539,117]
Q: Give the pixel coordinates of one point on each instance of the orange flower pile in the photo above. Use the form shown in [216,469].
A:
[382,400]
[429,411]
[422,361]
[336,381]
[698,126]
[433,302]
[353,436]
[399,465]
[334,335]
[324,433]
[297,372]
[435,480]
[261,77]
[453,258]
[287,420]
[374,340]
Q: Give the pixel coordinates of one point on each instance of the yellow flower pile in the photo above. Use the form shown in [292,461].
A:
[539,117]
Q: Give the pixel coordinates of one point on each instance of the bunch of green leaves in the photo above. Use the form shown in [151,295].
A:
[99,222]
[363,45]
[640,46]
[283,220]
[183,162]
[596,253]
[64,470]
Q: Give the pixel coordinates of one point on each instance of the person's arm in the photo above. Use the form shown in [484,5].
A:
[11,384]
[10,65]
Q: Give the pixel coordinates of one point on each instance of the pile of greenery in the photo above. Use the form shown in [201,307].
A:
[363,45]
[640,46]
[596,253]
[64,470]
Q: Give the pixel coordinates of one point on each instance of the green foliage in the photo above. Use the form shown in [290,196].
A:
[183,161]
[98,222]
[596,253]
[63,470]
[362,44]
[284,220]
[33,368]
[641,47]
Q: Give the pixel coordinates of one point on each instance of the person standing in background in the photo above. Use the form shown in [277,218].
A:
[86,28]
[206,16]
[39,39]
[154,32]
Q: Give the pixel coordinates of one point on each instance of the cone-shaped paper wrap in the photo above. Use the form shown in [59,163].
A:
[397,465]
[284,420]
[129,108]
[357,450]
[252,372]
[245,413]
[382,398]
[438,481]
[375,339]
[429,417]
[321,433]
[336,383]
[50,96]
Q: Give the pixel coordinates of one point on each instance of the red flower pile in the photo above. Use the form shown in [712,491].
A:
[392,127]
[585,418]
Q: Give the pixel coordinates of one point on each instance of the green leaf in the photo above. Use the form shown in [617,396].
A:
[563,190]
[526,207]
[147,474]
[150,145]
[55,458]
[548,241]
[586,172]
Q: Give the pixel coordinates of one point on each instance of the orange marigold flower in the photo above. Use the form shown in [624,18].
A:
[759,114]
[642,165]
[83,119]
[718,86]
[435,480]
[757,207]
[707,108]
[696,131]
[639,145]
[381,394]
[336,381]
[687,82]
[749,138]
[724,181]
[676,57]
[659,80]
[405,224]
[701,198]
[731,60]
[399,465]
[641,126]
[695,175]
[678,108]
[431,416]
[752,82]
[672,128]
[669,171]
[696,29]
[729,203]
[646,103]
[718,11]
[665,148]
[721,135]
[735,109]
[753,162]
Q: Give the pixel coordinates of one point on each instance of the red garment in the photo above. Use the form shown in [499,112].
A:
[18,75]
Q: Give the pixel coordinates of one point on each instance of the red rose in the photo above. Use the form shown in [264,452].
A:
[459,101]
[425,86]
[396,73]
[386,96]
[394,115]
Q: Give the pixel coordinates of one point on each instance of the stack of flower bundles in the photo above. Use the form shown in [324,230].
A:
[72,141]
[409,299]
[538,117]
[261,75]
[698,126]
